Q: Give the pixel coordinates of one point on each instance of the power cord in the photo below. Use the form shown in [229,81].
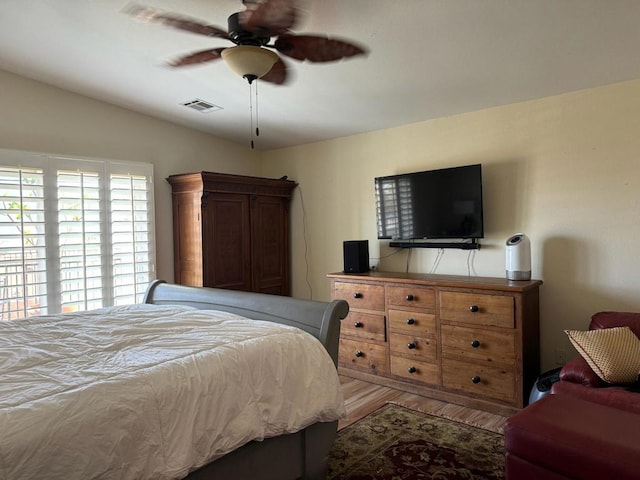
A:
[306,243]
[471,256]
[437,260]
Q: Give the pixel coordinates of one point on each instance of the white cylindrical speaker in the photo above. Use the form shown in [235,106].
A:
[518,257]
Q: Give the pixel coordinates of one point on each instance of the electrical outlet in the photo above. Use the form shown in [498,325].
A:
[560,356]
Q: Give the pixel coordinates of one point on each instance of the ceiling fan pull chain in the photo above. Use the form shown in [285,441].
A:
[251,115]
[257,127]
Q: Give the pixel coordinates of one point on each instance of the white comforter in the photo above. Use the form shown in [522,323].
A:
[151,392]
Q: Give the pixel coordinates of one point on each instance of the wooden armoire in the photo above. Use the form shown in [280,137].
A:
[231,231]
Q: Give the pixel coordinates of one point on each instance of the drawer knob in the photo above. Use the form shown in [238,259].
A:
[474,308]
[357,295]
[475,379]
[410,321]
[475,343]
[358,324]
[412,370]
[410,298]
[411,345]
[359,353]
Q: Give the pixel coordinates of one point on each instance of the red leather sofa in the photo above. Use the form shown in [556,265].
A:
[586,429]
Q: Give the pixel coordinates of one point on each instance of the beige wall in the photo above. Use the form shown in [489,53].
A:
[36,117]
[565,170]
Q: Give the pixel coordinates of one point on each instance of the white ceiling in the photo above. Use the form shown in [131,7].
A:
[427,59]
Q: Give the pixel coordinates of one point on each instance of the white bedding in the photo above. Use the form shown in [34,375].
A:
[151,392]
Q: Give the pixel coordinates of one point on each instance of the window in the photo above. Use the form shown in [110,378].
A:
[75,234]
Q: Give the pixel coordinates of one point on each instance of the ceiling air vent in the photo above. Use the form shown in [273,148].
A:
[202,106]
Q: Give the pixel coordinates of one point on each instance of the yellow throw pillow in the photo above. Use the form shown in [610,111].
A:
[612,353]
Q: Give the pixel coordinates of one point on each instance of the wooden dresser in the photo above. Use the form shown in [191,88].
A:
[231,231]
[468,340]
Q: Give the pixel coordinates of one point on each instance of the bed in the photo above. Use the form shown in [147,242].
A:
[161,417]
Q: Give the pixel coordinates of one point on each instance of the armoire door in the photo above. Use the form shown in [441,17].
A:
[270,244]
[226,241]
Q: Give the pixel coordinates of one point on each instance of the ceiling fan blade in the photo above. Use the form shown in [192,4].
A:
[316,48]
[198,57]
[274,17]
[278,74]
[180,22]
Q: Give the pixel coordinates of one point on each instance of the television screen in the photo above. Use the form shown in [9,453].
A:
[434,204]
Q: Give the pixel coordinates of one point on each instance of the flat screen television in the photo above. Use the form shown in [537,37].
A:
[434,204]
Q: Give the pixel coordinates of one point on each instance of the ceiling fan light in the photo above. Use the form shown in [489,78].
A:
[247,60]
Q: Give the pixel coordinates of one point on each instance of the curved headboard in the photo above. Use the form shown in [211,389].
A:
[321,319]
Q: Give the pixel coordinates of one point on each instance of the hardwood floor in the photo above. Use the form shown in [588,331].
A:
[362,398]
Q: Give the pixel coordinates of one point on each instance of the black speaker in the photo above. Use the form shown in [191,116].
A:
[356,256]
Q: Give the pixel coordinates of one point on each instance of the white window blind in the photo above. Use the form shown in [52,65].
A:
[131,235]
[75,234]
[79,240]
[23,277]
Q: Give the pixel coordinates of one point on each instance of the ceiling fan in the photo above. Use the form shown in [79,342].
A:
[251,30]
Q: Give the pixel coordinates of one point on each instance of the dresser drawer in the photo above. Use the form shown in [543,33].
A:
[422,348]
[365,356]
[479,379]
[415,370]
[477,309]
[363,325]
[478,344]
[410,296]
[412,323]
[360,295]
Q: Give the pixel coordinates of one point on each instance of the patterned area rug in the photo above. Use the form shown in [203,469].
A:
[396,443]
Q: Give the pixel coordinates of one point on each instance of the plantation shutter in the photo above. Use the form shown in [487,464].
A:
[80,240]
[23,272]
[79,234]
[131,231]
